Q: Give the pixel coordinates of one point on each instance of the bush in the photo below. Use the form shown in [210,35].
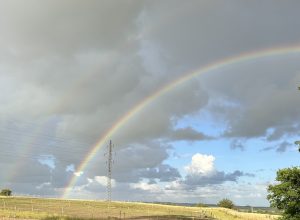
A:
[226,203]
[5,192]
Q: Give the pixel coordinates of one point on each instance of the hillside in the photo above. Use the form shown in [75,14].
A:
[38,208]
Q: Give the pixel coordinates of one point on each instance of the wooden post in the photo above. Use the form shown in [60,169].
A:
[31,205]
[4,205]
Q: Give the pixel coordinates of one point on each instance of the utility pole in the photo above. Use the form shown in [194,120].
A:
[109,170]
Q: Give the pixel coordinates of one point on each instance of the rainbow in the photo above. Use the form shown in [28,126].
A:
[240,58]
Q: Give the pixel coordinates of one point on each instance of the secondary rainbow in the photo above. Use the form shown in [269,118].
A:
[240,58]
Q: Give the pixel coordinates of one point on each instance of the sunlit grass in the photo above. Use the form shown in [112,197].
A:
[53,209]
[227,214]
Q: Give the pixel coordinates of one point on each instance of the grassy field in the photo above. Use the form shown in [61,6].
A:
[51,209]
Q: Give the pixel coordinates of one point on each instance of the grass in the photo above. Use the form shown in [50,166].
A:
[54,209]
[228,214]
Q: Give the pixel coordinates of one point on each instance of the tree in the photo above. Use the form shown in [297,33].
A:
[5,192]
[226,203]
[285,195]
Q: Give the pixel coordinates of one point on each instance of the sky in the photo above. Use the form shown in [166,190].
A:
[199,98]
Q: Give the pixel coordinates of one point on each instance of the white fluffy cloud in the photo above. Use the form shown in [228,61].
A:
[201,165]
[202,172]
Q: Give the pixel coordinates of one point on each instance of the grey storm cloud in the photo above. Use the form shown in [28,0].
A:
[70,70]
[53,27]
[262,102]
[219,28]
[188,133]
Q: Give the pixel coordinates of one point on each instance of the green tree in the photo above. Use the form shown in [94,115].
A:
[285,195]
[226,203]
[5,192]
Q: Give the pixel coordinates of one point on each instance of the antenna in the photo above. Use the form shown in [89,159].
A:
[109,170]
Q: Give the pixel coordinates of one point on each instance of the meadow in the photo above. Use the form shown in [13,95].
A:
[52,209]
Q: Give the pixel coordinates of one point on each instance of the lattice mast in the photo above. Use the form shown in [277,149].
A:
[109,170]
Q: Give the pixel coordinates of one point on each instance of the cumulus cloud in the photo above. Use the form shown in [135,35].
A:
[201,165]
[202,172]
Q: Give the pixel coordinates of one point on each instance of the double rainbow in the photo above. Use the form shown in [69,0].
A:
[240,58]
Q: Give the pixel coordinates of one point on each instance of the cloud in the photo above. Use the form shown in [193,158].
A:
[202,172]
[146,187]
[269,104]
[201,165]
[164,173]
[38,29]
[134,163]
[280,147]
[266,97]
[283,147]
[188,134]
[237,144]
[217,177]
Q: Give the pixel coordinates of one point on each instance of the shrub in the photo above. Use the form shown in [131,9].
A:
[226,203]
[5,192]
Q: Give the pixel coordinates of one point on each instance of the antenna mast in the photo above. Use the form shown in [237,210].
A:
[109,170]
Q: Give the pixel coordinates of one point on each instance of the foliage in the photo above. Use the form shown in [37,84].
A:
[286,194]
[5,192]
[226,203]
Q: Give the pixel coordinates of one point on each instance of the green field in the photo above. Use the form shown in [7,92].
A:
[37,208]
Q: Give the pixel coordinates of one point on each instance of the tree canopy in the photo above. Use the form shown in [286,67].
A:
[226,203]
[285,195]
[5,192]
